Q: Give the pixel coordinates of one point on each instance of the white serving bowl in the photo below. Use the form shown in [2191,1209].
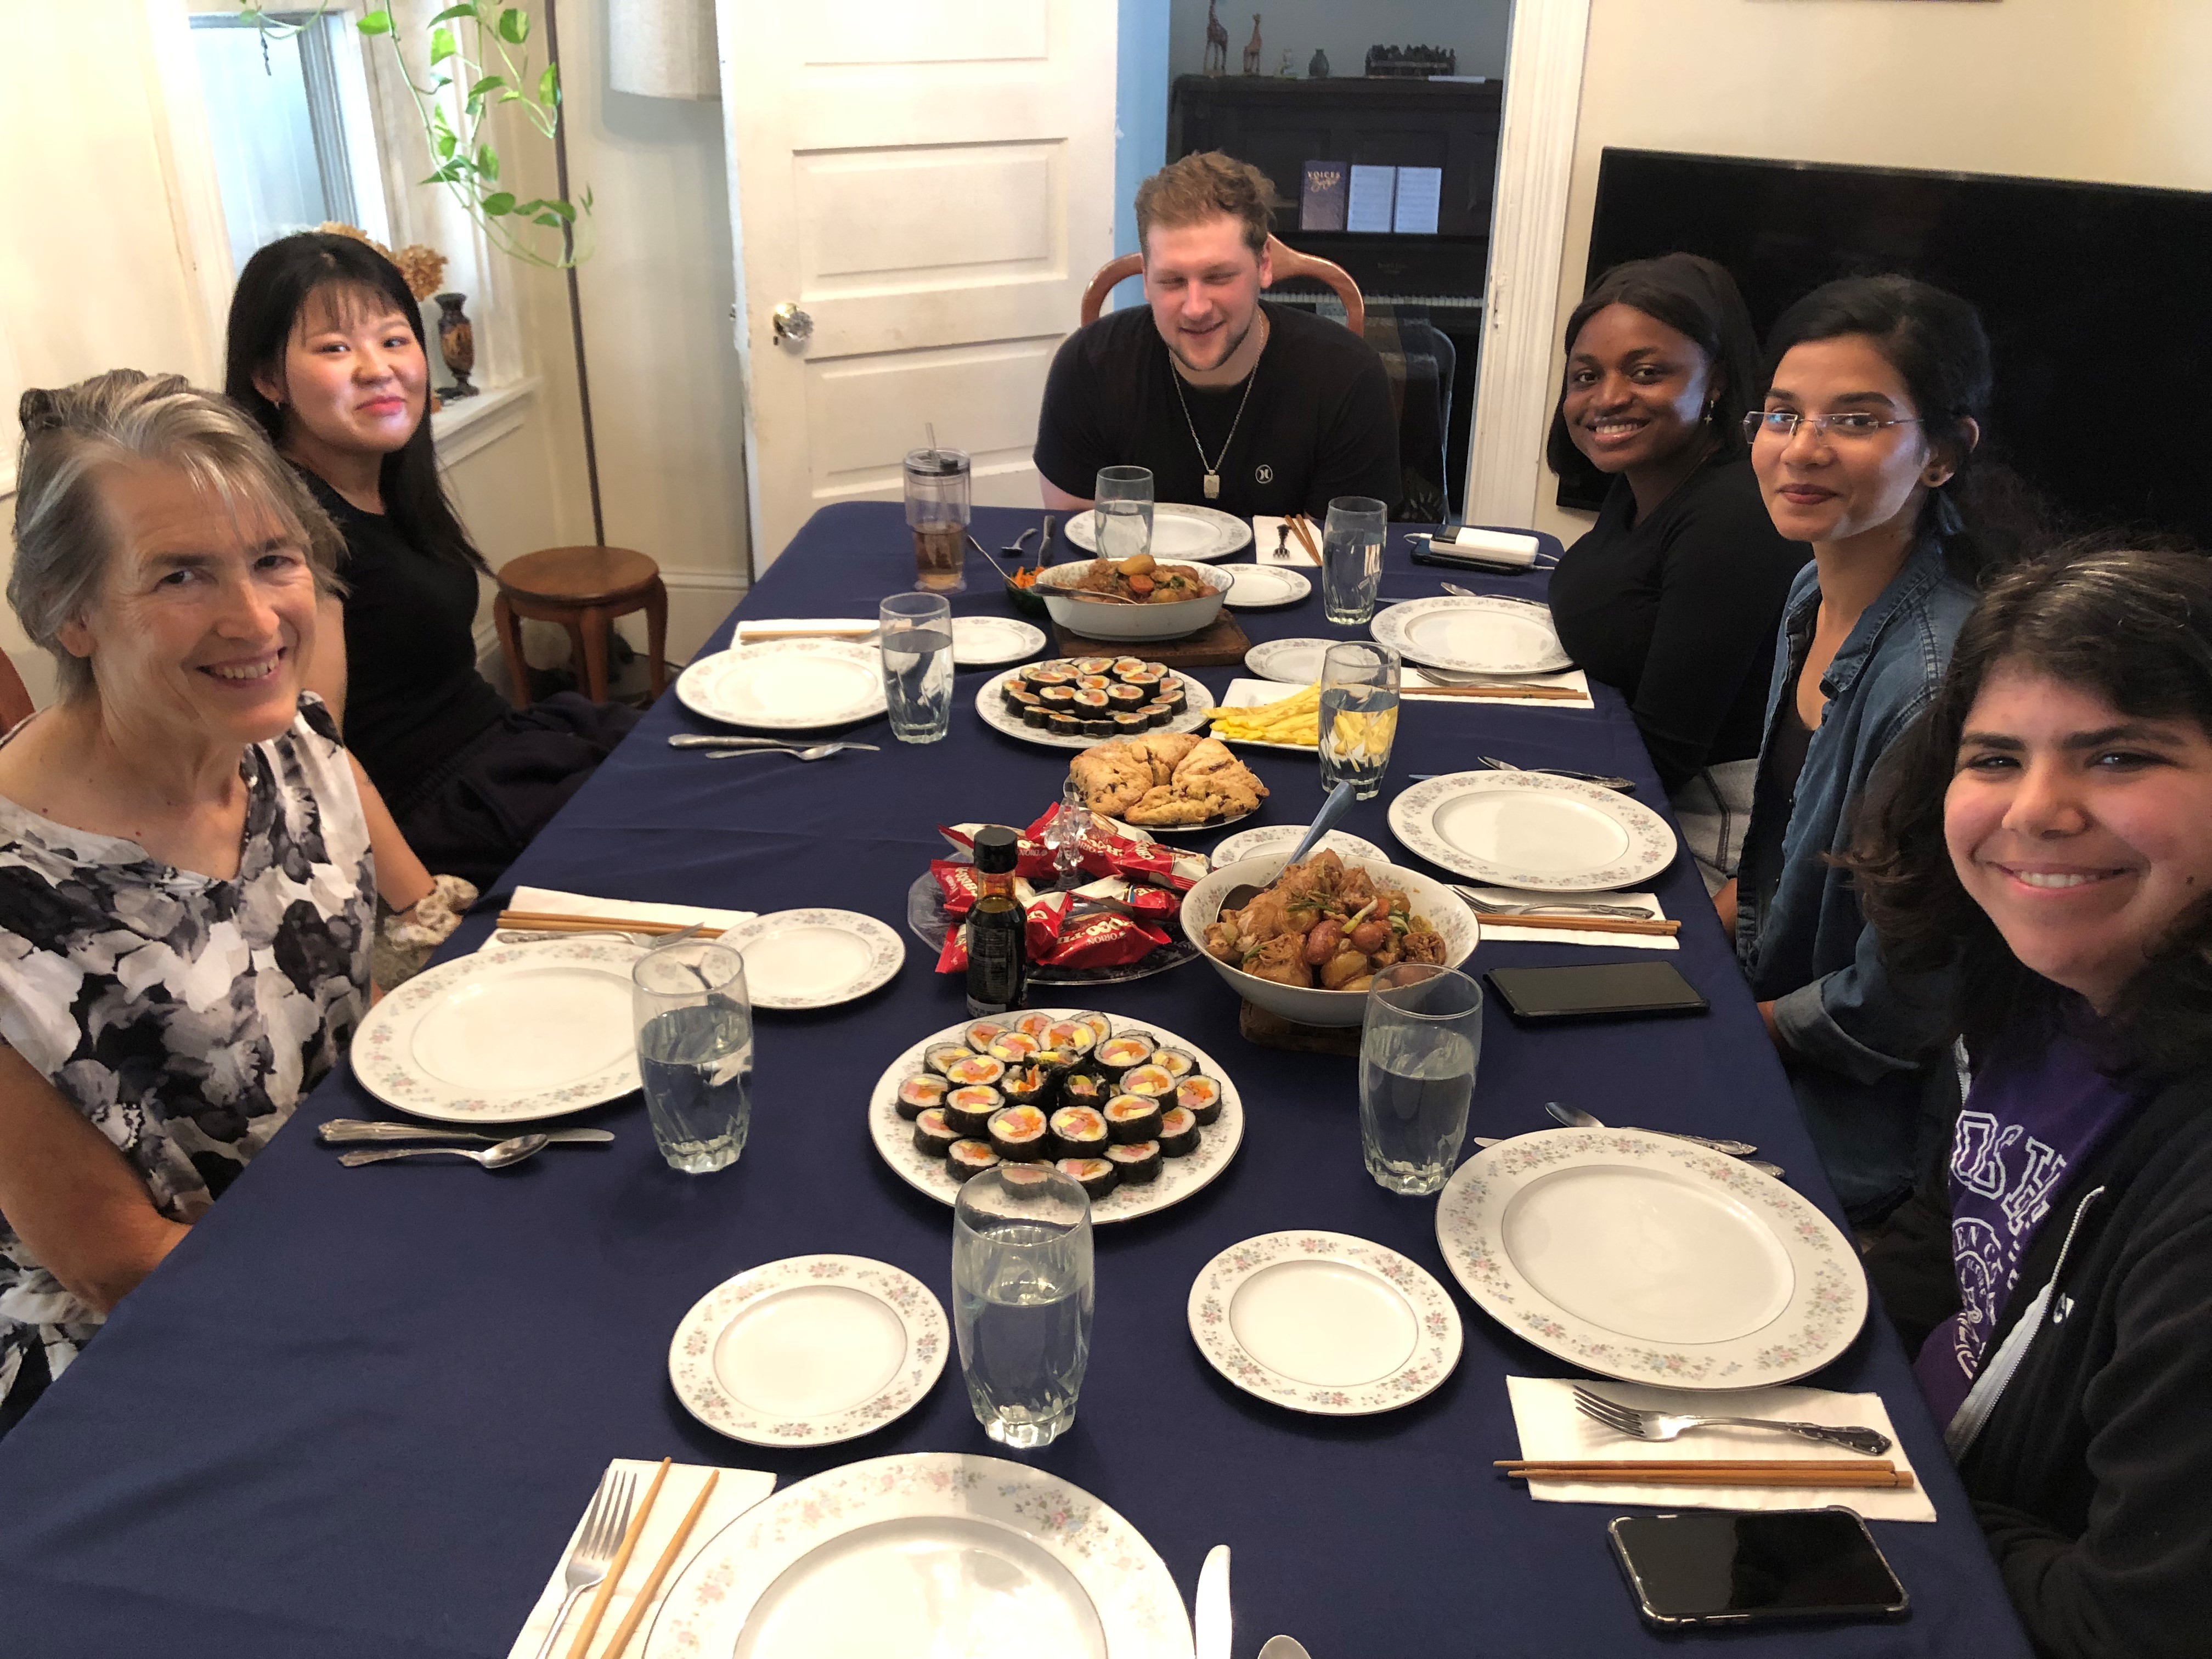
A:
[1310,1006]
[1095,619]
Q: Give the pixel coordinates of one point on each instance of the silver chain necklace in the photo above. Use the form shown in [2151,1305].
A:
[1213,467]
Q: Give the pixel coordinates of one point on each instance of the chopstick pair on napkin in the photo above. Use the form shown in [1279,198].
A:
[735,1491]
[540,902]
[1414,684]
[1505,928]
[1552,1430]
[800,628]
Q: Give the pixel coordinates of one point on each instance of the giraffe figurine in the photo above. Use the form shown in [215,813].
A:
[1217,43]
[1253,50]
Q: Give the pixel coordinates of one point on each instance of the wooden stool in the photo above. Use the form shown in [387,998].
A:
[583,589]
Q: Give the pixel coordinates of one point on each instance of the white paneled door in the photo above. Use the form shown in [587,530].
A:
[920,191]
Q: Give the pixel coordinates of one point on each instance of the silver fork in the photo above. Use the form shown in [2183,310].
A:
[1662,1425]
[1492,908]
[604,1523]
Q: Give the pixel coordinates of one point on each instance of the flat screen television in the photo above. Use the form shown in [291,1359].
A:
[2094,297]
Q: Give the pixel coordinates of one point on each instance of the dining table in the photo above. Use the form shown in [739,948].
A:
[357,1410]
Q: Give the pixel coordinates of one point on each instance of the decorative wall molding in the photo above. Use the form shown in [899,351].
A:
[1528,229]
[461,430]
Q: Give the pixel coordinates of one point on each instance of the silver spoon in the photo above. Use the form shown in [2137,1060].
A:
[492,1158]
[1575,1118]
[692,740]
[817,751]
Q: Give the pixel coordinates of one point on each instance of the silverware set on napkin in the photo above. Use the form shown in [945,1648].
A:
[1573,1117]
[720,748]
[491,1151]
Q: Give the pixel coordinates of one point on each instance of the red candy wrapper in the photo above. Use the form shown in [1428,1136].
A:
[958,883]
[1105,941]
[1046,918]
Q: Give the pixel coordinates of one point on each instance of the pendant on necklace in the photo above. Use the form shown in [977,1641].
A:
[1213,486]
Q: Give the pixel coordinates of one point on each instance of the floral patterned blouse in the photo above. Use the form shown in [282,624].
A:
[183,1016]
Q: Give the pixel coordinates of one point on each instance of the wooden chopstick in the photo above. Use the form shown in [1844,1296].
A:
[1899,1482]
[543,921]
[1299,524]
[751,634]
[606,1592]
[637,1608]
[1660,928]
[1531,693]
[1877,1464]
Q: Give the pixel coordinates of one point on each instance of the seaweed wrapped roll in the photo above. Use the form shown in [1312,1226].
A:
[1063,725]
[1098,1023]
[966,1157]
[1156,1081]
[1178,1063]
[1037,717]
[1127,725]
[1015,1048]
[1071,1034]
[1085,1088]
[1093,664]
[1019,1135]
[979,1036]
[1028,1086]
[1178,1135]
[1118,1054]
[939,1056]
[1079,1132]
[1097,1175]
[1136,1162]
[1132,1117]
[919,1092]
[969,1110]
[969,1069]
[933,1134]
[1125,667]
[1200,1096]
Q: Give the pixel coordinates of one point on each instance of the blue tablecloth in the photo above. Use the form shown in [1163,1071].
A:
[357,1410]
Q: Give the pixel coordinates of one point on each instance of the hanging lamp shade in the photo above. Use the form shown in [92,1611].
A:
[663,48]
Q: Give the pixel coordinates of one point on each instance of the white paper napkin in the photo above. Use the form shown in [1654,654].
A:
[737,1491]
[1502,927]
[1411,680]
[1550,1427]
[774,626]
[551,902]
[1499,546]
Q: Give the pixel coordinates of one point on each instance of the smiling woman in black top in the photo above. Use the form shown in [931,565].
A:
[1673,596]
[326,351]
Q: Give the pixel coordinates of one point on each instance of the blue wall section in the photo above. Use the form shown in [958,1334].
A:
[1140,120]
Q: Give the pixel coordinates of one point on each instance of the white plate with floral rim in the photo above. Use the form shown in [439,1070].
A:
[1649,1259]
[991,704]
[1293,662]
[786,685]
[1180,529]
[815,958]
[925,1553]
[979,642]
[1478,635]
[506,1034]
[1535,831]
[1259,586]
[1324,1322]
[1281,837]
[1179,1177]
[808,1350]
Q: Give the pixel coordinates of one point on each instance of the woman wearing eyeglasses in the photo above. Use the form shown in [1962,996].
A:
[1672,595]
[1866,447]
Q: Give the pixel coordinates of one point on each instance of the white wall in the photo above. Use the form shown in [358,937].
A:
[1475,29]
[2112,91]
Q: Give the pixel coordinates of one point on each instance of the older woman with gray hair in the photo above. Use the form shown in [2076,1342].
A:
[189,859]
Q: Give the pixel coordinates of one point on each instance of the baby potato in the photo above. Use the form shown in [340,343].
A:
[1136,565]
[1341,969]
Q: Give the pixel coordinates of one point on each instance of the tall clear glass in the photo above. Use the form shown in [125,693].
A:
[1418,1052]
[938,511]
[1122,511]
[1351,558]
[695,1051]
[917,655]
[1022,1298]
[1358,715]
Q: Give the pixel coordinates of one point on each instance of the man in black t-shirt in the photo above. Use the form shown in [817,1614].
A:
[1231,403]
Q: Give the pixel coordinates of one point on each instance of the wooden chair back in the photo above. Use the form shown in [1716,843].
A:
[16,704]
[1288,262]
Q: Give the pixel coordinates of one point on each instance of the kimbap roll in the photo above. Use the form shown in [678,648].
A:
[1057,697]
[918,1093]
[1127,725]
[1034,1025]
[1173,695]
[1057,1061]
[1125,667]
[1099,725]
[1159,712]
[1200,1096]
[939,1055]
[1136,1163]
[1092,697]
[969,1110]
[1159,668]
[1019,1135]
[1016,694]
[978,1037]
[1118,1054]
[1145,680]
[966,1157]
[1092,665]
[1127,698]
[1098,1023]
[1063,725]
[1042,674]
[1085,1088]
[1014,1048]
[974,1068]
[1132,1118]
[1071,1034]
[1037,717]
[1028,1086]
[1178,1134]
[1178,1063]
[1092,683]
[1079,1132]
[933,1134]
[1156,1082]
[1097,1175]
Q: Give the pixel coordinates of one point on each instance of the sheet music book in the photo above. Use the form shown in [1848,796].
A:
[1320,202]
[1420,192]
[1374,189]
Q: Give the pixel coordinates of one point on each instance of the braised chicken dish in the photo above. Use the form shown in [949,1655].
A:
[1323,923]
[1142,578]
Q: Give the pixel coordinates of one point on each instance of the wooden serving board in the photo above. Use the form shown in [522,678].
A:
[1271,1030]
[1223,645]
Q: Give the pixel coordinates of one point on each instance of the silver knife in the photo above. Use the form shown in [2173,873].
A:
[717,741]
[358,1128]
[1213,1620]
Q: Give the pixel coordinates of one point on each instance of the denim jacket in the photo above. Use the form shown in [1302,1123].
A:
[1866,1050]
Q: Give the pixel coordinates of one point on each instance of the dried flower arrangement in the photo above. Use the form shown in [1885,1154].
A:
[423,267]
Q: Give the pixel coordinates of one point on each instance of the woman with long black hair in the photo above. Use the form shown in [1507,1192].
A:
[326,351]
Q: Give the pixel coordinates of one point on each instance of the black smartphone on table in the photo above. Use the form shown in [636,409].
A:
[1711,1567]
[1595,990]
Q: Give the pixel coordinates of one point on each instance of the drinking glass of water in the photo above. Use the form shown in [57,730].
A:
[1351,558]
[1358,715]
[695,1051]
[1022,1298]
[1418,1050]
[917,631]
[1121,511]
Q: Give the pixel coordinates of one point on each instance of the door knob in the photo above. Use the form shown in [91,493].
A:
[791,323]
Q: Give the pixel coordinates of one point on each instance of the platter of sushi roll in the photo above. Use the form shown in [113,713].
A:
[1141,1116]
[1072,702]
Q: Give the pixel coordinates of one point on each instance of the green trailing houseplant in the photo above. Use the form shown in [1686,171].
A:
[483,48]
